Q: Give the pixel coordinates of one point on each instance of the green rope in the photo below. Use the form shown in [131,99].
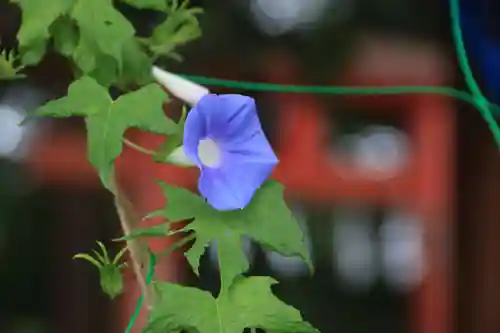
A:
[475,98]
[480,101]
[149,278]
[330,90]
[151,271]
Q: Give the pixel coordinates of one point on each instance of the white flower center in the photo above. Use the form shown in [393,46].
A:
[209,153]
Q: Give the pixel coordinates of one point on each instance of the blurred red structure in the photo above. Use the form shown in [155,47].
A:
[425,186]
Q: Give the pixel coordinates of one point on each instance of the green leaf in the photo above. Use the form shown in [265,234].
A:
[142,109]
[85,54]
[249,303]
[263,220]
[85,97]
[8,69]
[100,22]
[136,64]
[136,67]
[34,53]
[82,29]
[180,27]
[160,230]
[107,120]
[65,35]
[159,5]
[37,17]
[107,71]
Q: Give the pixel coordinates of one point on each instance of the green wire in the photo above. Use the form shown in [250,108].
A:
[151,271]
[480,101]
[463,61]
[149,278]
[475,98]
[330,90]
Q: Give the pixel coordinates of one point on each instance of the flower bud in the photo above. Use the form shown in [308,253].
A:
[181,88]
[111,280]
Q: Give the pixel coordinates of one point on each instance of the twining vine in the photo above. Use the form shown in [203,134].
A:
[220,135]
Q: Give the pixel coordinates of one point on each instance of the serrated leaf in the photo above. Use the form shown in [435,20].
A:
[267,220]
[85,97]
[136,67]
[85,29]
[248,303]
[37,17]
[107,120]
[142,109]
[99,21]
[159,5]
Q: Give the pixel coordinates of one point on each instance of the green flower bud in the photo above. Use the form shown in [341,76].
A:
[111,280]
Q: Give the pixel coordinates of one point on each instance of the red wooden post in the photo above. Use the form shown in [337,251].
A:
[425,186]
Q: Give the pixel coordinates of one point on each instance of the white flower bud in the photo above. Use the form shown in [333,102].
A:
[181,88]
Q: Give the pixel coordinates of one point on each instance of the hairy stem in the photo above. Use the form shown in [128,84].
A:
[128,221]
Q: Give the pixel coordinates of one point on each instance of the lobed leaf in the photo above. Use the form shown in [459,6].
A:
[248,303]
[107,120]
[37,17]
[180,27]
[100,22]
[266,220]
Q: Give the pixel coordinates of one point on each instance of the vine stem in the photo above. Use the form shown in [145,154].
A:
[137,147]
[129,221]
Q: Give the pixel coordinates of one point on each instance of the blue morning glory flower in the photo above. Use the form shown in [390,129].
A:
[224,138]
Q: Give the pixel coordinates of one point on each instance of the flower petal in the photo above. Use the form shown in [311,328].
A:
[254,147]
[234,185]
[232,122]
[228,116]
[244,169]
